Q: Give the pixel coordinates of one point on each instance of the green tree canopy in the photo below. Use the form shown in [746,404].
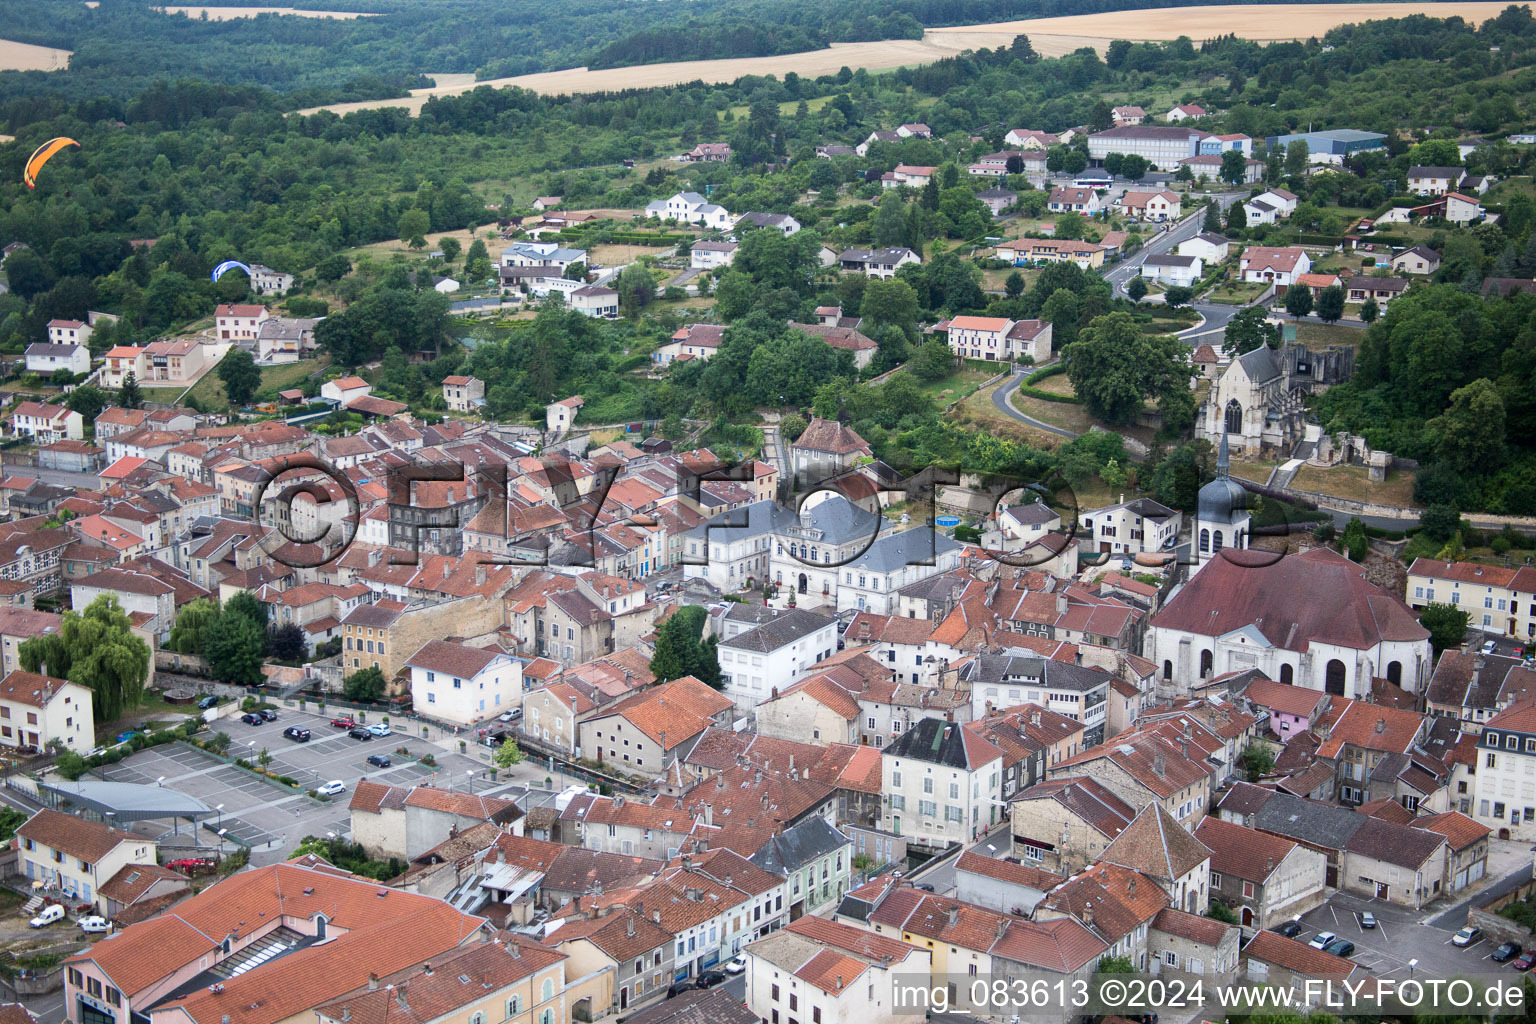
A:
[240,375]
[1114,368]
[195,616]
[97,649]
[1447,625]
[681,651]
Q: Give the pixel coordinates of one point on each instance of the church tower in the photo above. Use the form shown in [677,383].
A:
[1221,517]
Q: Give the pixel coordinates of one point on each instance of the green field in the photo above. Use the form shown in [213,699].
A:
[209,391]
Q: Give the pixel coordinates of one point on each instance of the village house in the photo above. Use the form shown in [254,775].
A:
[1184,111]
[1075,200]
[942,784]
[463,394]
[464,685]
[1278,266]
[708,152]
[47,358]
[68,332]
[1156,207]
[266,281]
[708,255]
[693,341]
[998,338]
[1262,878]
[46,423]
[1172,270]
[236,322]
[1382,290]
[1434,181]
[560,416]
[877,263]
[38,710]
[820,970]
[75,857]
[1416,260]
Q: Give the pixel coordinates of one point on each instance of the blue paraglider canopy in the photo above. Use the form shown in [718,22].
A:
[219,270]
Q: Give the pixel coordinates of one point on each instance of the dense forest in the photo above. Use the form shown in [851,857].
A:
[213,171]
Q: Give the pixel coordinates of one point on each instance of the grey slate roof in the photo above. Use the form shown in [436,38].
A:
[44,348]
[752,520]
[1260,365]
[779,632]
[918,546]
[794,848]
[838,520]
[1035,512]
[1036,671]
[1322,825]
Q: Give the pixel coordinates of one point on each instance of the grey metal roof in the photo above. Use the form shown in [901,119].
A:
[802,844]
[917,546]
[126,801]
[779,632]
[837,520]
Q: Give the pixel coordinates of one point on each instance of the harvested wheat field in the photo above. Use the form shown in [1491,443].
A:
[1050,36]
[231,13]
[26,57]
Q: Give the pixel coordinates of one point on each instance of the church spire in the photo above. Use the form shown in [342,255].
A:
[1222,458]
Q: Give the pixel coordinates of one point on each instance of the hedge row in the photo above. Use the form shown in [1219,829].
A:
[1027,386]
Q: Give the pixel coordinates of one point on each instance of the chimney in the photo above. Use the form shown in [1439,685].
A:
[373,983]
[1184,748]
[949,716]
[1002,926]
[1160,764]
[1130,888]
[480,575]
[629,926]
[656,916]
[1088,914]
[1034,718]
[839,982]
[1381,726]
[1269,863]
[954,915]
[426,969]
[517,950]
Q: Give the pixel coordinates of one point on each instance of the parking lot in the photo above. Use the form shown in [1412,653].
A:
[1401,935]
[271,820]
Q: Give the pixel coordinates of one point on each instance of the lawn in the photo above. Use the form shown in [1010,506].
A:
[209,391]
[619,255]
[993,280]
[1253,470]
[962,383]
[1235,293]
[1320,336]
[978,411]
[785,109]
[1353,482]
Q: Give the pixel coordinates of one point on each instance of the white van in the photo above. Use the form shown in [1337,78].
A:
[48,915]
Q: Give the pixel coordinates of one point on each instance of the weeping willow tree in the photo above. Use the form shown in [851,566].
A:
[97,649]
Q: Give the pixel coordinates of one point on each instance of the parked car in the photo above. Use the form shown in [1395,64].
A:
[925,886]
[379,760]
[48,915]
[1525,961]
[331,788]
[252,718]
[208,702]
[736,964]
[1505,953]
[379,728]
[297,734]
[360,732]
[1490,646]
[1467,936]
[343,722]
[709,979]
[94,925]
[1367,919]
[1321,940]
[269,714]
[1290,929]
[1340,947]
[510,716]
[679,988]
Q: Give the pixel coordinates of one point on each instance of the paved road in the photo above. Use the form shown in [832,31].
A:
[1008,387]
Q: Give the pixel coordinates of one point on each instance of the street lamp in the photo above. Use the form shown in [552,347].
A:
[471,774]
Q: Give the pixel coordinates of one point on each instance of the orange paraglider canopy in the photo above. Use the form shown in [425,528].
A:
[44,152]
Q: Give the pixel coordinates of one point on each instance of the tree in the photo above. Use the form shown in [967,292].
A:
[507,754]
[888,227]
[1234,166]
[1176,295]
[88,400]
[240,375]
[1212,222]
[287,642]
[477,262]
[680,650]
[1330,303]
[1013,285]
[1355,541]
[1296,155]
[131,396]
[1471,432]
[450,248]
[1435,153]
[1439,521]
[889,303]
[636,288]
[934,361]
[195,616]
[246,604]
[1063,311]
[1447,625]
[264,758]
[364,685]
[1369,311]
[1134,167]
[1298,300]
[1136,288]
[235,647]
[1249,329]
[97,649]
[1114,367]
[333,268]
[1237,218]
[413,227]
[1258,760]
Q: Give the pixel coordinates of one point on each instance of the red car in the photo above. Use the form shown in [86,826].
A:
[1525,961]
[343,722]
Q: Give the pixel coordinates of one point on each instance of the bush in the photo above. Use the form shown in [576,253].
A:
[1027,385]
